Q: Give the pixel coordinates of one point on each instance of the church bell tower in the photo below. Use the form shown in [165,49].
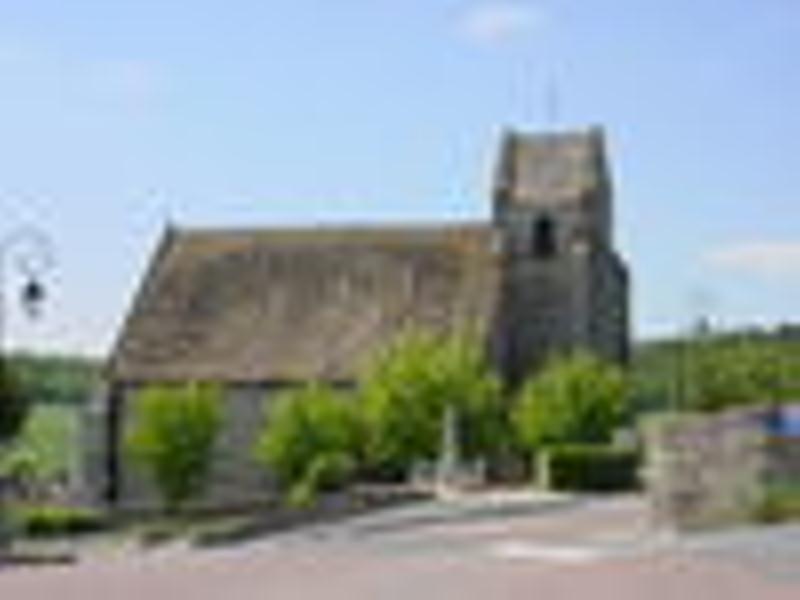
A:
[563,284]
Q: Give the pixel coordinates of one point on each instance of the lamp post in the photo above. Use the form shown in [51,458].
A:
[28,251]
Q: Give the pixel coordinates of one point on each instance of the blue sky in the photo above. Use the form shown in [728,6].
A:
[118,116]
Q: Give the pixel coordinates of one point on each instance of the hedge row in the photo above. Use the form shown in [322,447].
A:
[53,520]
[590,468]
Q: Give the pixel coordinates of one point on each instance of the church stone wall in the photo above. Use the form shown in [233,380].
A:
[92,476]
[236,478]
[537,312]
[608,310]
[577,299]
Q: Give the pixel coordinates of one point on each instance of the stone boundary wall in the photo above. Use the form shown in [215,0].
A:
[712,470]
[782,461]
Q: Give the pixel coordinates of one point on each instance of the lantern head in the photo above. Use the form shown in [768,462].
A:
[32,297]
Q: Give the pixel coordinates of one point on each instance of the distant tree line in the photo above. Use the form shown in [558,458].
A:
[54,379]
[710,371]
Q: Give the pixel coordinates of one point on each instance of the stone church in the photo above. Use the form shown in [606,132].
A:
[261,309]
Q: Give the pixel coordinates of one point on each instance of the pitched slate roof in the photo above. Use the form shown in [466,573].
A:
[290,304]
[546,167]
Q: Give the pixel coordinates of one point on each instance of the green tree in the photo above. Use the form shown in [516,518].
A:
[574,399]
[654,376]
[717,371]
[55,379]
[310,441]
[407,388]
[14,404]
[725,373]
[13,410]
[173,436]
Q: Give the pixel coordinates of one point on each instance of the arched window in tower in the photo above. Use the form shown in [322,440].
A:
[544,238]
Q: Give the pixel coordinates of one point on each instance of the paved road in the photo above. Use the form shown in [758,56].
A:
[605,549]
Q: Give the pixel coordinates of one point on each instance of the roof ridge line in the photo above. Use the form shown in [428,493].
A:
[404,226]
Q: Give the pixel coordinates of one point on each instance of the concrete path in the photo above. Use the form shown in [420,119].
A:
[485,549]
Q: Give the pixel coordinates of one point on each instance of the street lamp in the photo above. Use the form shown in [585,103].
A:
[32,255]
[29,251]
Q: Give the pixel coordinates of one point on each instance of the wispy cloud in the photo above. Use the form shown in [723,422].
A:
[499,21]
[770,259]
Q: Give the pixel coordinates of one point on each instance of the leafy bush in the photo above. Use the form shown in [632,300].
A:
[20,469]
[593,468]
[573,400]
[310,441]
[302,495]
[45,449]
[18,464]
[407,388]
[46,521]
[173,436]
[330,471]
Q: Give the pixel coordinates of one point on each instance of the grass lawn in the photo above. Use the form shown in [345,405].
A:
[48,443]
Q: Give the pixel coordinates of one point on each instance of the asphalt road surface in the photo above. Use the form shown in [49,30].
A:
[480,550]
